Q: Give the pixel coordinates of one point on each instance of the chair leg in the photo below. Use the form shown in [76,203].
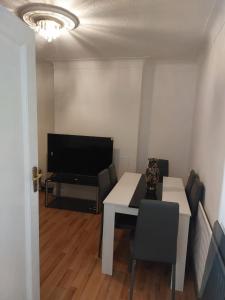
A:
[173,281]
[100,238]
[132,279]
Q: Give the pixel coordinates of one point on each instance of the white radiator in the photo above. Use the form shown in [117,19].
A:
[201,244]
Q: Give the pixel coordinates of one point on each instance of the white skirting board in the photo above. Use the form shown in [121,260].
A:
[201,244]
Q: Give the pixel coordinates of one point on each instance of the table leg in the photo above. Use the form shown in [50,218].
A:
[46,193]
[108,239]
[58,190]
[97,200]
[182,241]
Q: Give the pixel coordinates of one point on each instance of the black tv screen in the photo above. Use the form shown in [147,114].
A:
[75,154]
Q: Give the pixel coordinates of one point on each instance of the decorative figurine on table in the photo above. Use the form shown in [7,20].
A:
[152,174]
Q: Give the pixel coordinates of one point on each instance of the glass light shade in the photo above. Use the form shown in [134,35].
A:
[49,29]
[48,20]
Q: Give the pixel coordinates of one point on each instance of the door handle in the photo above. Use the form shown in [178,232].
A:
[36,176]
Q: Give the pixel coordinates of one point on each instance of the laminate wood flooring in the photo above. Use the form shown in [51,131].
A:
[71,269]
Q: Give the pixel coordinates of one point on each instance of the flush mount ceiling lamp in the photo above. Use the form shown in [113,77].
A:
[48,20]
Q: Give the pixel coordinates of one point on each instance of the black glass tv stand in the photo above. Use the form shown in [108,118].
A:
[75,179]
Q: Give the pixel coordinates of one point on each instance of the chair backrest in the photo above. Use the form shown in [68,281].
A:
[112,175]
[104,184]
[156,231]
[163,168]
[196,195]
[190,182]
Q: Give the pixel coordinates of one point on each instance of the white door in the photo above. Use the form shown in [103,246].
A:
[19,244]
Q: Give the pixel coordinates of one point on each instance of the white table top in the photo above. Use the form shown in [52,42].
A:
[123,191]
[173,191]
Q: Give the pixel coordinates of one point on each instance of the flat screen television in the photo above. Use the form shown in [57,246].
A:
[76,154]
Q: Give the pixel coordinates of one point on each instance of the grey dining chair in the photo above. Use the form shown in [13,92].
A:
[104,186]
[122,221]
[196,195]
[190,183]
[155,236]
[163,168]
[112,175]
[213,282]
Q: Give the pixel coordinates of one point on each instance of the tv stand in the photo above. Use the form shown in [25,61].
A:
[75,179]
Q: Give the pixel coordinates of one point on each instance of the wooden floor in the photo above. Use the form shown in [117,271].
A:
[71,269]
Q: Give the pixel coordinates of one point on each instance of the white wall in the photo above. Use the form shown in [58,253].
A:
[101,98]
[208,151]
[148,74]
[168,97]
[45,101]
[146,106]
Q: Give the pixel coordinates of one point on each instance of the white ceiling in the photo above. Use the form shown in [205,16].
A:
[128,28]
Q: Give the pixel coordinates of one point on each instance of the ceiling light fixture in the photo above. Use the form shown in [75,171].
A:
[48,20]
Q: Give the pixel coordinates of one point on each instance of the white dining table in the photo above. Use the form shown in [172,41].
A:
[118,201]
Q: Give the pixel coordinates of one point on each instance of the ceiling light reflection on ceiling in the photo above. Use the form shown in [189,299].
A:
[48,20]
